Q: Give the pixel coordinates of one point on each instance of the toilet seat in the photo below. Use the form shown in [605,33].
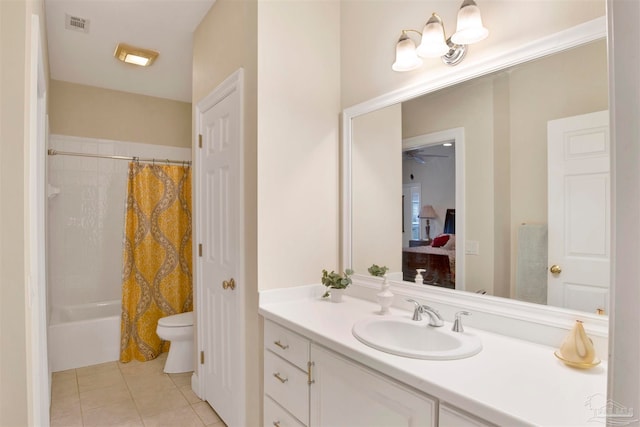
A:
[177,320]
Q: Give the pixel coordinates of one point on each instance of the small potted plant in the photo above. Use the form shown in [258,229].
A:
[377,271]
[336,283]
[385,297]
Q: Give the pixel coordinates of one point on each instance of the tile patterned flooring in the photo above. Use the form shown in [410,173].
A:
[127,395]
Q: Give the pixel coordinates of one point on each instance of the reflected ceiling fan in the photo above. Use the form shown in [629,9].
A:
[420,156]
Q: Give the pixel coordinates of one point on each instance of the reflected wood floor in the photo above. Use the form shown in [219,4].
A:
[127,394]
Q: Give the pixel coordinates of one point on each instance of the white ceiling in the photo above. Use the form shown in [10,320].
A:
[165,26]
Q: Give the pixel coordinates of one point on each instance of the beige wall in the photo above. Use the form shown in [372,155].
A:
[371,28]
[16,393]
[226,40]
[293,104]
[298,134]
[92,112]
[377,178]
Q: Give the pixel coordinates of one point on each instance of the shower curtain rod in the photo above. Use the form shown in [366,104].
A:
[53,152]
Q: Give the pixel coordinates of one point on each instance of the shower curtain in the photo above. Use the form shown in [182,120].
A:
[156,276]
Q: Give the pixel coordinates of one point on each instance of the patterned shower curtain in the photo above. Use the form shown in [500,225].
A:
[156,276]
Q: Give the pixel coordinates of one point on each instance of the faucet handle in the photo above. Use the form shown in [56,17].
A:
[457,324]
[417,311]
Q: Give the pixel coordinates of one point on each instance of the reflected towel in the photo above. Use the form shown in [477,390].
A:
[531,270]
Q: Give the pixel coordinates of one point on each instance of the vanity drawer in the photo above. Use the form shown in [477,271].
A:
[287,385]
[453,417]
[276,416]
[287,344]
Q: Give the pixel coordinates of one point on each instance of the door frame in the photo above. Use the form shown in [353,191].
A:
[456,136]
[231,86]
[37,200]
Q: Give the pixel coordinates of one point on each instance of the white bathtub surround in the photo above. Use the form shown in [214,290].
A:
[510,382]
[86,217]
[83,335]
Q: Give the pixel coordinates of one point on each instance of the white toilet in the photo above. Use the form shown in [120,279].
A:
[179,330]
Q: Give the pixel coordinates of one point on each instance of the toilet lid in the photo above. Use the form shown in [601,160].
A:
[177,320]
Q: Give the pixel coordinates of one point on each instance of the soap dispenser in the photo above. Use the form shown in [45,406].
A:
[385,297]
[419,279]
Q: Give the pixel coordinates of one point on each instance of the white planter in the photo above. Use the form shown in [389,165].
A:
[336,294]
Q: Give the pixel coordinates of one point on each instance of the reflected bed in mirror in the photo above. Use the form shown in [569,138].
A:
[496,178]
[434,260]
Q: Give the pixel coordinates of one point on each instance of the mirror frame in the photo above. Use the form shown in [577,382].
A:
[572,37]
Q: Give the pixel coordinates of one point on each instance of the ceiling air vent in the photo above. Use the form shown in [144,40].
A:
[76,24]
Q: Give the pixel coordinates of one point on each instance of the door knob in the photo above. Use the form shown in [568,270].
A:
[555,269]
[231,284]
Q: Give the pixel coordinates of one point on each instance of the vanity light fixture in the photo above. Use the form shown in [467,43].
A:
[135,55]
[434,41]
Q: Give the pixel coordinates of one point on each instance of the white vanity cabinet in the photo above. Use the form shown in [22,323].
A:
[307,385]
[345,393]
[352,384]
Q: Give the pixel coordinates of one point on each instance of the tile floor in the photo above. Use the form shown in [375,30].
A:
[127,394]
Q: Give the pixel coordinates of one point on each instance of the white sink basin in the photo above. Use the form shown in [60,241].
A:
[405,337]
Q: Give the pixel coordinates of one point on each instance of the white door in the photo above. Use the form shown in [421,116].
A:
[220,286]
[579,192]
[345,393]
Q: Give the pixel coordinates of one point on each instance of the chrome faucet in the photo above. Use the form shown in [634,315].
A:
[457,324]
[434,317]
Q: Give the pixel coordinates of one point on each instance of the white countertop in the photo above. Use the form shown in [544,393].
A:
[510,382]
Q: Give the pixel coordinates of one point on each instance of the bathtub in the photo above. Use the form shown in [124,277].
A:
[83,335]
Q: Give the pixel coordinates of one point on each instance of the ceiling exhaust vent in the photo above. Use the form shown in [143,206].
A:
[76,24]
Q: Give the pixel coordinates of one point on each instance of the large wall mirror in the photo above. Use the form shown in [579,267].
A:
[481,158]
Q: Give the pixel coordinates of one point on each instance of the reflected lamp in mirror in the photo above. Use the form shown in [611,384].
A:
[427,212]
[434,41]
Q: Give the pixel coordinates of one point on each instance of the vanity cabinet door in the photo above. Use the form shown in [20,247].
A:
[452,417]
[345,393]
